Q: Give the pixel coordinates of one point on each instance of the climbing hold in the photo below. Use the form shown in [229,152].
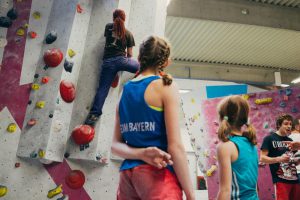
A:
[81,147]
[79,8]
[3,190]
[263,101]
[36,15]
[53,57]
[17,164]
[45,79]
[36,75]
[57,126]
[211,170]
[75,179]
[12,127]
[55,191]
[66,155]
[51,37]
[3,42]
[12,14]
[83,134]
[5,22]
[32,34]
[216,123]
[71,53]
[40,104]
[68,65]
[35,86]
[26,26]
[245,96]
[115,82]
[288,92]
[50,115]
[20,31]
[285,98]
[294,110]
[29,102]
[64,197]
[266,125]
[67,91]
[41,153]
[193,100]
[33,154]
[31,122]
[282,104]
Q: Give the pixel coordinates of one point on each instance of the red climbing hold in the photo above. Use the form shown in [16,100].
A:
[53,57]
[83,134]
[45,79]
[31,122]
[32,34]
[79,9]
[75,179]
[115,82]
[67,91]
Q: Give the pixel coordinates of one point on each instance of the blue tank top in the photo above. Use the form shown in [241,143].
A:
[244,170]
[141,126]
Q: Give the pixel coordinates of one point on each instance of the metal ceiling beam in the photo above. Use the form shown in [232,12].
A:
[231,11]
[234,73]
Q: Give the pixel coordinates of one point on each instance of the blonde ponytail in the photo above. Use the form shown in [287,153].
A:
[224,130]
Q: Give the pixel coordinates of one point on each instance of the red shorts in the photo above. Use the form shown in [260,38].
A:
[145,182]
[286,191]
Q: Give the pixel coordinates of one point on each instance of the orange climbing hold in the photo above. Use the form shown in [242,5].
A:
[75,179]
[83,134]
[115,82]
[53,57]
[45,79]
[67,91]
[79,8]
[31,122]
[32,34]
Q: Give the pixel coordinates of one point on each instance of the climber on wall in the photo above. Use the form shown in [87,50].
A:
[117,57]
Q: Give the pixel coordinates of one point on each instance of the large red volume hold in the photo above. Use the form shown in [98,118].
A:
[67,91]
[83,134]
[75,179]
[53,57]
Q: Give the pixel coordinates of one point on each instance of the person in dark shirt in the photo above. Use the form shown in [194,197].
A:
[117,57]
[276,153]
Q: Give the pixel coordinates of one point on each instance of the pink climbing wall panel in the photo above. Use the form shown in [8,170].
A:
[263,118]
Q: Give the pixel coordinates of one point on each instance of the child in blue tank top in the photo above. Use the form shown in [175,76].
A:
[147,132]
[237,155]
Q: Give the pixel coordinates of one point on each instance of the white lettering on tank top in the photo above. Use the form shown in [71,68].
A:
[137,127]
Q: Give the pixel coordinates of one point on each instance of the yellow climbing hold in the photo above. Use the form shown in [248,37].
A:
[3,190]
[12,127]
[263,101]
[193,100]
[40,104]
[35,86]
[245,96]
[71,52]
[55,191]
[36,15]
[211,170]
[42,153]
[20,31]
[26,25]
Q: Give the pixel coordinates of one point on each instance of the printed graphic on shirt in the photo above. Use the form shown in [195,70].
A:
[137,127]
[288,170]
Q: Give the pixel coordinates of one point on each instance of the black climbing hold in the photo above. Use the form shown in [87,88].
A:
[66,155]
[51,115]
[36,75]
[46,67]
[5,22]
[68,66]
[81,147]
[12,14]
[86,145]
[29,102]
[51,37]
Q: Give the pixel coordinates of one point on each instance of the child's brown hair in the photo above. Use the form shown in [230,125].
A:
[154,52]
[233,113]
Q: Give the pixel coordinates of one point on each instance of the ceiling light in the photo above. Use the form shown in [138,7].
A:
[297,80]
[284,85]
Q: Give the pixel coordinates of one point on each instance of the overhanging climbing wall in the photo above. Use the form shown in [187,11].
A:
[36,119]
[263,116]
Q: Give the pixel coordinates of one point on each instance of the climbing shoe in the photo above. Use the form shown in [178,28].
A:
[91,120]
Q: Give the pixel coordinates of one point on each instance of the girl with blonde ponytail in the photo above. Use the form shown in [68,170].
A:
[237,155]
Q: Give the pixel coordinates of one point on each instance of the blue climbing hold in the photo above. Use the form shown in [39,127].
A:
[288,92]
[294,110]
[282,104]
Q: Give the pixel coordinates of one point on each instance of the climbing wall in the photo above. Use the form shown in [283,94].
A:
[262,116]
[37,107]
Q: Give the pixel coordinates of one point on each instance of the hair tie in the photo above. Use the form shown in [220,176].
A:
[225,118]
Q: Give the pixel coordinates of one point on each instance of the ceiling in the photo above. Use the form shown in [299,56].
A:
[206,41]
[288,3]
